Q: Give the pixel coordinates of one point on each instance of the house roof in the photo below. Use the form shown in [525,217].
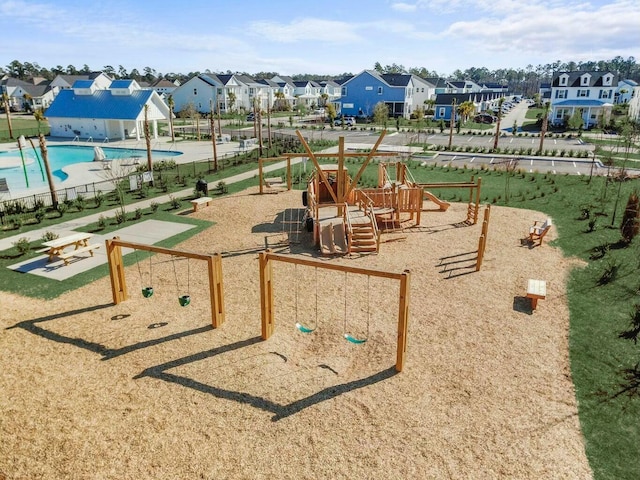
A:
[595,79]
[123,83]
[102,104]
[82,84]
[580,103]
[396,79]
[447,98]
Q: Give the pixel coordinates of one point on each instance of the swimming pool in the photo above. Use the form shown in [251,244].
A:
[60,156]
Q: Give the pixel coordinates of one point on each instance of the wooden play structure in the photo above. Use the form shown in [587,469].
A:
[119,284]
[267,306]
[538,230]
[473,205]
[275,184]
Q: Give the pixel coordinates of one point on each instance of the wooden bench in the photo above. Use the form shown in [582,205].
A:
[538,230]
[206,201]
[536,290]
[73,253]
[272,181]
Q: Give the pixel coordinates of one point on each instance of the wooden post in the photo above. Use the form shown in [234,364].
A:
[475,217]
[403,319]
[481,245]
[288,173]
[116,271]
[260,174]
[214,264]
[266,295]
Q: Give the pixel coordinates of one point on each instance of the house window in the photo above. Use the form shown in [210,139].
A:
[561,94]
[563,80]
[605,94]
[344,91]
[368,87]
[379,90]
[585,80]
[195,91]
[219,91]
[441,112]
[583,93]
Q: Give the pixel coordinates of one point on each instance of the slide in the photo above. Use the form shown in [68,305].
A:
[441,203]
[326,239]
[340,239]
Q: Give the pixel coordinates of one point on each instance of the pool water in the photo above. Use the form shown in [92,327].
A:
[60,156]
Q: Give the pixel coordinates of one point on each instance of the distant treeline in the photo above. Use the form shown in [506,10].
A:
[526,80]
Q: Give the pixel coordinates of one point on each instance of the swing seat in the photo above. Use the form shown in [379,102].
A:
[355,340]
[147,292]
[184,300]
[304,329]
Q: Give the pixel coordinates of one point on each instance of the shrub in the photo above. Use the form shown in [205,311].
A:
[40,214]
[138,214]
[22,245]
[80,203]
[49,235]
[99,198]
[120,217]
[102,222]
[609,274]
[154,207]
[62,208]
[630,225]
[174,202]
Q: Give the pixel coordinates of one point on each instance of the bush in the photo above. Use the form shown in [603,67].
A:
[154,207]
[40,214]
[62,208]
[99,198]
[174,202]
[22,245]
[609,274]
[137,214]
[102,222]
[49,235]
[120,217]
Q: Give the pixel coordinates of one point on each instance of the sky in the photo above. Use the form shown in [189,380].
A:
[327,38]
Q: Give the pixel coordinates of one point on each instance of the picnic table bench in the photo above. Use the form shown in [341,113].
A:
[80,242]
[206,201]
[536,290]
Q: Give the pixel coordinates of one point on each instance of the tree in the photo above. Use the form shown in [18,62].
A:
[497,136]
[381,114]
[323,99]
[575,121]
[545,123]
[5,102]
[466,109]
[430,103]
[452,121]
[147,137]
[232,100]
[630,225]
[330,111]
[38,114]
[171,103]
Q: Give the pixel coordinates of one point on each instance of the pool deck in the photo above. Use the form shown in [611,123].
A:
[90,172]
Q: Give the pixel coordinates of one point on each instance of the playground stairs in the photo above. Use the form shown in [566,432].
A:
[363,238]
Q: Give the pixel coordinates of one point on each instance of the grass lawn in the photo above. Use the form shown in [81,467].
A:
[21,124]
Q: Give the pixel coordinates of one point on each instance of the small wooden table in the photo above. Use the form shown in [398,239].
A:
[536,290]
[80,242]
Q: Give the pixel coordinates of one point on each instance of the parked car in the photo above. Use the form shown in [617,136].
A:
[318,111]
[348,121]
[484,118]
[250,117]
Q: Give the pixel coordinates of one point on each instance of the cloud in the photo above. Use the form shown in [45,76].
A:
[305,29]
[404,7]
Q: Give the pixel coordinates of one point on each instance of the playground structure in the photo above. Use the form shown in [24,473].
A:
[482,242]
[267,304]
[119,284]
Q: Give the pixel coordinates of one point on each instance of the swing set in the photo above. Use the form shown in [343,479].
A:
[267,305]
[119,284]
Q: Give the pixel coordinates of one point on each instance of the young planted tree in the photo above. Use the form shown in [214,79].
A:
[465,110]
[497,136]
[381,114]
[630,225]
[5,103]
[171,103]
[545,124]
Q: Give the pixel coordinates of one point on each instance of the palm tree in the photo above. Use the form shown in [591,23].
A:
[324,97]
[495,141]
[27,104]
[171,103]
[38,114]
[147,137]
[5,102]
[545,123]
[279,102]
[466,109]
[232,100]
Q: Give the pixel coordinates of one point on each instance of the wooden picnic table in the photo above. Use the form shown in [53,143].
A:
[80,242]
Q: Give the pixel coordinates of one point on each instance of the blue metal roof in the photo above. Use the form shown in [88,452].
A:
[82,84]
[121,83]
[579,103]
[102,104]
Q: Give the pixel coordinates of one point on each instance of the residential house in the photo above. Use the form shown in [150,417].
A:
[589,93]
[87,111]
[15,89]
[65,82]
[40,96]
[482,101]
[164,87]
[463,86]
[626,91]
[199,91]
[402,93]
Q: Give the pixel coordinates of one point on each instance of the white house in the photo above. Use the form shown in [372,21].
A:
[591,93]
[65,82]
[86,111]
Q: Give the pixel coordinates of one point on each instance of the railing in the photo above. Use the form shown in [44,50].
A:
[76,139]
[106,140]
[90,140]
[347,221]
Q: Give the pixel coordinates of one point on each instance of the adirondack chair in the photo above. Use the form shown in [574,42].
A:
[538,230]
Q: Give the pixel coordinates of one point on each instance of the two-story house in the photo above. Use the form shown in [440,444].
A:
[590,93]
[401,93]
